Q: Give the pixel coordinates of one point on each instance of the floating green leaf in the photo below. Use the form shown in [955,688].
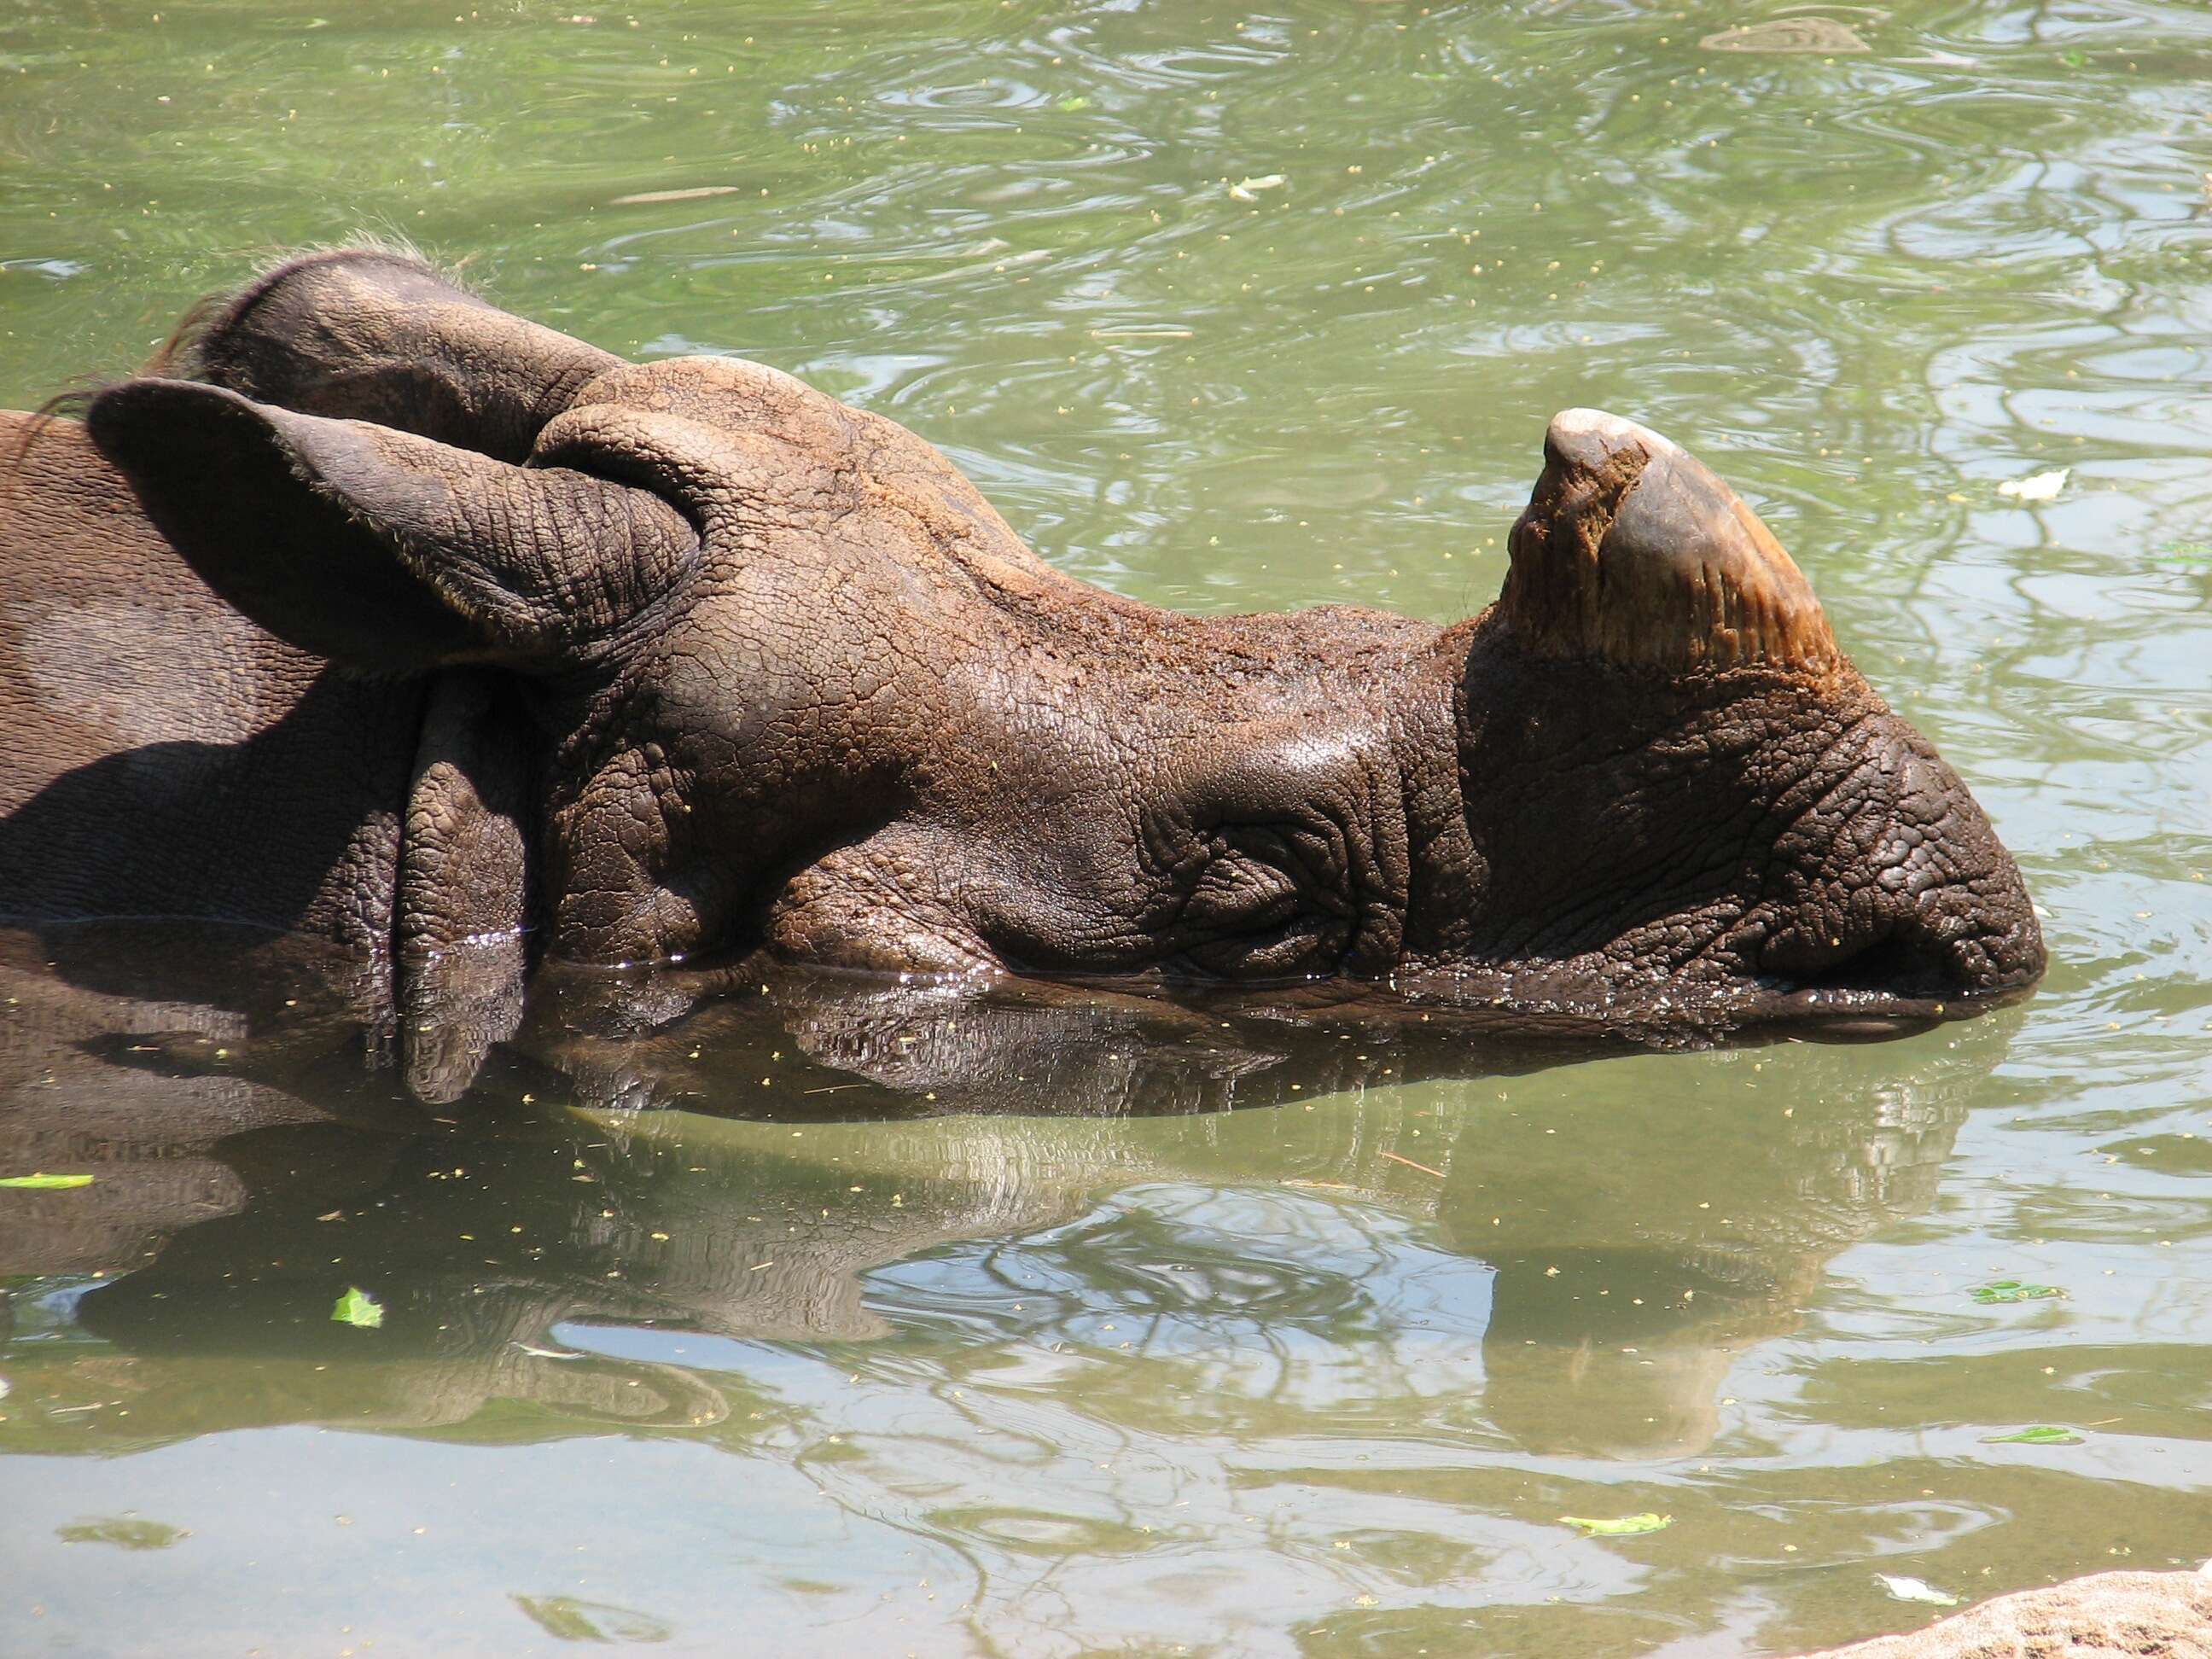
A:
[2012,1289]
[47,1183]
[123,1532]
[2184,552]
[1626,1526]
[566,1619]
[358,1307]
[2043,1434]
[1075,103]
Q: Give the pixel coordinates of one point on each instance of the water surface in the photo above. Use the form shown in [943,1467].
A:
[1225,310]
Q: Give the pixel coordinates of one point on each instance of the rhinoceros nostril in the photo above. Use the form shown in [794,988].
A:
[1897,965]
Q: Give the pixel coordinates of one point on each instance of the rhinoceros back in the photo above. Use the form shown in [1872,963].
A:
[160,754]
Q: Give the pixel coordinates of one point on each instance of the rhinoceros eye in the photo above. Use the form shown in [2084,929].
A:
[1255,912]
[1241,894]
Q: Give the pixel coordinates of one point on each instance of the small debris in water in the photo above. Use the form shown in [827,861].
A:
[695,193]
[2042,487]
[125,1532]
[1901,1589]
[1410,1165]
[1247,190]
[358,1307]
[2012,1289]
[1626,1526]
[1788,34]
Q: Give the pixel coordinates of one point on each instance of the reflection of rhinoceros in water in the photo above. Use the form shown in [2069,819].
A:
[1638,1245]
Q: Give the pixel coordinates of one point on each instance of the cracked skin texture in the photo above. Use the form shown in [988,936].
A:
[684,657]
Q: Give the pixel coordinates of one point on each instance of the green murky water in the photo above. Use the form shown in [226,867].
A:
[1222,309]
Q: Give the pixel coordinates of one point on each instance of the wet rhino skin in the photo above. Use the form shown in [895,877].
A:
[373,612]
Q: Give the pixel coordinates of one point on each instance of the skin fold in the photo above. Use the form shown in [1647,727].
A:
[373,612]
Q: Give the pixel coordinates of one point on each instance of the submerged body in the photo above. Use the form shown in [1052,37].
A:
[382,614]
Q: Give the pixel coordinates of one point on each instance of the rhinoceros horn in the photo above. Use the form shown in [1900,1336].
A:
[1632,551]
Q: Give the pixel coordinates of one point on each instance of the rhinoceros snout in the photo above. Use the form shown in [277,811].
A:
[1911,894]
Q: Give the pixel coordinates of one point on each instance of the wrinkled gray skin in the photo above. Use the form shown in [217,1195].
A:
[683,657]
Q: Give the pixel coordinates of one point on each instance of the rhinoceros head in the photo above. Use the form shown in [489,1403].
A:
[792,684]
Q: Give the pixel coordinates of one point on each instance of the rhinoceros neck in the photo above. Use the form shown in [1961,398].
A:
[161,755]
[1145,665]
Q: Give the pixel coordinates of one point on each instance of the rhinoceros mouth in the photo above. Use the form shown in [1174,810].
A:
[1895,978]
[1699,1012]
[1843,1013]
[1893,967]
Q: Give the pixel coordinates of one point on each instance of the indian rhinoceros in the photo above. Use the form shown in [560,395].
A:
[375,612]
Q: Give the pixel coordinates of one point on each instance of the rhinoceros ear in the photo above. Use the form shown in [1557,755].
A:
[381,549]
[364,335]
[1630,550]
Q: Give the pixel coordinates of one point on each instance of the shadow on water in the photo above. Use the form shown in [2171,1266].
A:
[1066,1158]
